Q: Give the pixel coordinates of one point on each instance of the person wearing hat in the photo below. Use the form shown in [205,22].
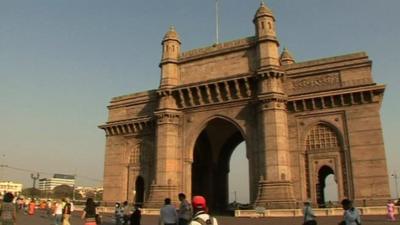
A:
[201,217]
[309,216]
[351,215]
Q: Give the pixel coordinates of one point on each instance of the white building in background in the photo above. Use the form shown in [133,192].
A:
[48,184]
[8,186]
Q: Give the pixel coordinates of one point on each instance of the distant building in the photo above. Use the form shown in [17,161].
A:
[85,191]
[8,186]
[48,184]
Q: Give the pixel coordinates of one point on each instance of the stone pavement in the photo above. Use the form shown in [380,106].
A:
[41,219]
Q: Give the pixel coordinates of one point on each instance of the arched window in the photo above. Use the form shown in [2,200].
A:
[321,137]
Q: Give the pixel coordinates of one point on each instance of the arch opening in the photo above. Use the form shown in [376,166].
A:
[139,190]
[325,177]
[211,160]
[239,168]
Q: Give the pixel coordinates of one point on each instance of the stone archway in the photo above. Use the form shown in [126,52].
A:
[211,156]
[272,98]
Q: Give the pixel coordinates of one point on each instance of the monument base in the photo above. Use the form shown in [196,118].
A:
[275,195]
[158,193]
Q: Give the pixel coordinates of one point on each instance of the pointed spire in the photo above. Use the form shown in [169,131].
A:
[286,57]
[171,34]
[263,10]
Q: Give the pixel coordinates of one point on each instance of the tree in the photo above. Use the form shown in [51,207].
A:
[62,191]
[31,192]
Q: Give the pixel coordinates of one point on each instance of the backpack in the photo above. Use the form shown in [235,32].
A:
[209,221]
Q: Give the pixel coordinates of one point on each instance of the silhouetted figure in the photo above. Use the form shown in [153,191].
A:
[136,216]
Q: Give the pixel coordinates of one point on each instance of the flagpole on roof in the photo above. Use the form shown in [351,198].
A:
[216,23]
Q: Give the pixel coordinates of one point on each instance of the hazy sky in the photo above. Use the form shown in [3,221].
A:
[61,61]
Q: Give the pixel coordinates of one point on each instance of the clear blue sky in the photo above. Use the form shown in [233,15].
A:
[61,61]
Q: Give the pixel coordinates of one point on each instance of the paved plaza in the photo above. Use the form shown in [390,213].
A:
[41,219]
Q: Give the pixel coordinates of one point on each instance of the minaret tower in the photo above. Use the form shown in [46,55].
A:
[268,45]
[169,61]
[275,189]
[168,122]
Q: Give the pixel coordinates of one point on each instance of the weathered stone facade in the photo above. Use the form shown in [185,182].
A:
[301,121]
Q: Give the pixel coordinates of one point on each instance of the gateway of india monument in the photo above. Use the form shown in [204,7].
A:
[300,122]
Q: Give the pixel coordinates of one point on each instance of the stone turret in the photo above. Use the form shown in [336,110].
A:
[286,57]
[268,45]
[170,55]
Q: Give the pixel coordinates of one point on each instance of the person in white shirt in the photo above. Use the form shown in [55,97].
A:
[309,216]
[58,213]
[168,214]
[351,215]
[201,217]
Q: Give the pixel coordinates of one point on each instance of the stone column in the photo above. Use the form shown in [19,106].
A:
[275,185]
[167,160]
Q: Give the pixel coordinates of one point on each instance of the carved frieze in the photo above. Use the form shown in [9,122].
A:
[273,101]
[315,83]
[167,117]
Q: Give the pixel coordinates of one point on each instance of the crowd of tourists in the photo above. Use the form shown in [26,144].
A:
[194,213]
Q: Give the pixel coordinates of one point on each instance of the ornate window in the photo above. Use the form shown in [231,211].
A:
[321,137]
[134,158]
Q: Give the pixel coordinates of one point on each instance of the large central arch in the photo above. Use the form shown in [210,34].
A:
[211,156]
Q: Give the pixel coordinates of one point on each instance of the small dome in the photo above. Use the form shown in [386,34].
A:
[263,11]
[286,57]
[171,35]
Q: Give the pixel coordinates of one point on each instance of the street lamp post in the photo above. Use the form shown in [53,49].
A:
[34,178]
[394,175]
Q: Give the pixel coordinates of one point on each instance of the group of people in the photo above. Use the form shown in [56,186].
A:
[124,214]
[61,210]
[187,214]
[351,215]
[195,213]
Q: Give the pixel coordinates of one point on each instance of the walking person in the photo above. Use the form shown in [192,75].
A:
[168,214]
[136,216]
[309,216]
[89,212]
[118,214]
[66,211]
[58,213]
[184,211]
[8,214]
[201,215]
[49,208]
[351,215]
[390,210]
[127,212]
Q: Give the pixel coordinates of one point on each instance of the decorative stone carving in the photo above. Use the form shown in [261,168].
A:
[320,82]
[167,117]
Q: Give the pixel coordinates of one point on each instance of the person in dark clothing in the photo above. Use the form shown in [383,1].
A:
[66,211]
[89,212]
[136,216]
